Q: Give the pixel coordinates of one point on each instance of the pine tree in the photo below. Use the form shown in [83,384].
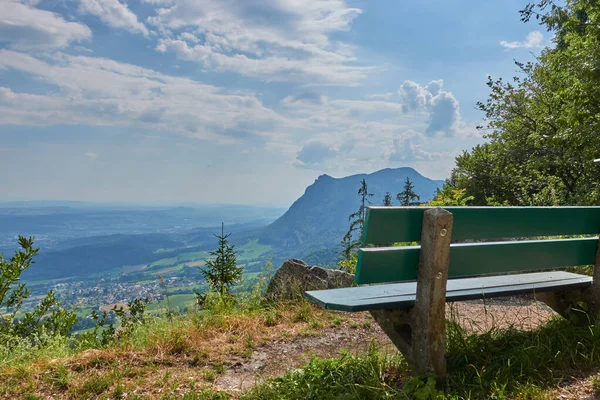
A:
[407,196]
[357,222]
[387,199]
[222,271]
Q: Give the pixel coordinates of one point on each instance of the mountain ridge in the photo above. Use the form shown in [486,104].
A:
[319,218]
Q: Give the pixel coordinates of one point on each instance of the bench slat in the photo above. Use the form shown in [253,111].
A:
[402,295]
[403,224]
[397,264]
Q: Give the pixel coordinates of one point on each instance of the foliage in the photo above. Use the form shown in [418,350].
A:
[357,222]
[349,265]
[408,195]
[105,333]
[422,388]
[542,127]
[48,318]
[222,272]
[448,196]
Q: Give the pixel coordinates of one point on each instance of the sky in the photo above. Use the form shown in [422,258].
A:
[241,101]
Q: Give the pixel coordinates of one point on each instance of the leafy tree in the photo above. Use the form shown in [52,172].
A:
[387,199]
[222,272]
[407,196]
[542,126]
[48,317]
[357,222]
[450,197]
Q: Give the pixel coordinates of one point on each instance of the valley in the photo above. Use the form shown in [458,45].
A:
[94,256]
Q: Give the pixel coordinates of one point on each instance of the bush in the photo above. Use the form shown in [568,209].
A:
[48,319]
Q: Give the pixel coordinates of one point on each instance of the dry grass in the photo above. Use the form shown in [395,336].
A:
[163,359]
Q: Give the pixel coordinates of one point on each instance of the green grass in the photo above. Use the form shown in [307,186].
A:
[177,301]
[374,375]
[519,363]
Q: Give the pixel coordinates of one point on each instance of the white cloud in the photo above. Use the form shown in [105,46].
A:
[413,96]
[113,13]
[408,148]
[159,2]
[442,107]
[445,114]
[28,28]
[276,40]
[91,155]
[97,91]
[380,96]
[313,154]
[533,40]
[305,98]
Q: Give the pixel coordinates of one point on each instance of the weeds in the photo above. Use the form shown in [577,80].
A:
[348,376]
[94,386]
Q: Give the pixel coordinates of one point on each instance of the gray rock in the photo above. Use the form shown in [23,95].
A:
[295,277]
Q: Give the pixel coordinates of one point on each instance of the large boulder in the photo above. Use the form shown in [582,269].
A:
[295,277]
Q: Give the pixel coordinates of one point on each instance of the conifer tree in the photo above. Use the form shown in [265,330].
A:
[407,196]
[222,271]
[387,199]
[357,222]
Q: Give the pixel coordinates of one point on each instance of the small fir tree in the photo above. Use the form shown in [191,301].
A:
[408,196]
[357,223]
[387,199]
[222,272]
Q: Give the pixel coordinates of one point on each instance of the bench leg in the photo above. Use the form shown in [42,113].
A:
[397,325]
[420,333]
[563,302]
[593,293]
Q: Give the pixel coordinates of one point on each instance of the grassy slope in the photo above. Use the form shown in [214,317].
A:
[165,359]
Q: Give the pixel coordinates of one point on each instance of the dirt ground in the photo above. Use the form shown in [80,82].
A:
[274,358]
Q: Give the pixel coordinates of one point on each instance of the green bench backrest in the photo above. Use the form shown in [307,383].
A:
[403,224]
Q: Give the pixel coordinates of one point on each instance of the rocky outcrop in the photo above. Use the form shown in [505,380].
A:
[295,277]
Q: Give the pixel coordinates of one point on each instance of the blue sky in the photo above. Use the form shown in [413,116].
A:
[241,101]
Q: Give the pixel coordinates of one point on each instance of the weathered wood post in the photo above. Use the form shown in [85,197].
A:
[429,314]
[420,333]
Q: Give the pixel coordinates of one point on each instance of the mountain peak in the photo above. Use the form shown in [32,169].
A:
[319,218]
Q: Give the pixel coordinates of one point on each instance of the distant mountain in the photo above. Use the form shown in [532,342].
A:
[319,219]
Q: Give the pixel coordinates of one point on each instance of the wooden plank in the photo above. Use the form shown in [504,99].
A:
[397,264]
[402,295]
[403,224]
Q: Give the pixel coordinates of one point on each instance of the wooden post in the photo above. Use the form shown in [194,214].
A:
[429,313]
[420,333]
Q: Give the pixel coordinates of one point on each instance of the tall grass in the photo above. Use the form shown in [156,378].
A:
[16,351]
[514,362]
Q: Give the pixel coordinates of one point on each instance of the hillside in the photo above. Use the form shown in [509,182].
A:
[319,218]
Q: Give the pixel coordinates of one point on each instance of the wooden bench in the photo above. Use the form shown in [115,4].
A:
[413,283]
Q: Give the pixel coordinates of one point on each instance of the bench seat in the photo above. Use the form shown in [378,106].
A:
[402,295]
